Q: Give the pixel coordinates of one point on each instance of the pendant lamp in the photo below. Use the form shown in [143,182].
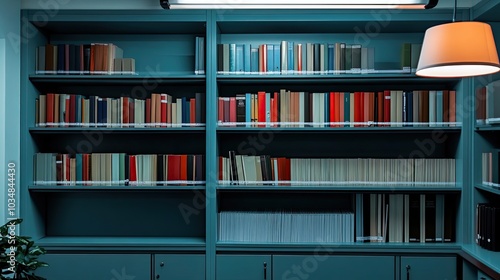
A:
[458,49]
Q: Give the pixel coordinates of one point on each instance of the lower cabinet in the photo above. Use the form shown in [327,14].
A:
[96,266]
[428,268]
[243,267]
[179,267]
[320,267]
[482,276]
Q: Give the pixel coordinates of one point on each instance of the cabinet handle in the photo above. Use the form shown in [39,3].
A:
[482,278]
[408,267]
[157,276]
[265,270]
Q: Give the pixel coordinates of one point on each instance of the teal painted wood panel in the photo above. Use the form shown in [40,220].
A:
[241,267]
[321,267]
[96,266]
[482,276]
[179,266]
[428,268]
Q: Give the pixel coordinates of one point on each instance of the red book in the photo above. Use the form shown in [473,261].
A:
[232,110]
[148,110]
[387,106]
[68,109]
[50,103]
[183,167]
[132,169]
[163,109]
[125,110]
[67,165]
[275,107]
[174,170]
[192,110]
[299,57]
[332,108]
[72,108]
[261,99]
[131,111]
[220,169]
[380,106]
[358,113]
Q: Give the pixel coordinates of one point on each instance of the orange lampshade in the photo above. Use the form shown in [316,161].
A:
[458,49]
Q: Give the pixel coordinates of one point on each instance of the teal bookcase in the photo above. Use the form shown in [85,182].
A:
[160,231]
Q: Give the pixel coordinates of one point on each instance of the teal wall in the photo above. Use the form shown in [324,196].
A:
[9,94]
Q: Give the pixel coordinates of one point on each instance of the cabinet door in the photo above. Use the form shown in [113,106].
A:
[428,268]
[180,266]
[96,266]
[238,267]
[318,267]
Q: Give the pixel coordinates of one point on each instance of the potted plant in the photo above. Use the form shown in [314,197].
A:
[18,254]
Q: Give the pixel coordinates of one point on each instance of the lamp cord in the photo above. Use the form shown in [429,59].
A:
[455,11]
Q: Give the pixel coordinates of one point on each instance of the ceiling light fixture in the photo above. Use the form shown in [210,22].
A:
[298,4]
[458,49]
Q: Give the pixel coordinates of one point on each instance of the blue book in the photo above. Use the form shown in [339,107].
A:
[248,107]
[185,110]
[91,109]
[347,107]
[246,60]
[327,108]
[99,110]
[254,59]
[277,58]
[331,57]
[290,57]
[104,110]
[240,58]
[439,106]
[79,167]
[232,57]
[409,111]
[270,58]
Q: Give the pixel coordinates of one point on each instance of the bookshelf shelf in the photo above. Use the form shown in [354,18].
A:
[79,130]
[487,128]
[139,79]
[485,259]
[138,188]
[124,243]
[231,129]
[345,188]
[352,247]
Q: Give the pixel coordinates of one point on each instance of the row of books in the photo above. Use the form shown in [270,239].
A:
[488,226]
[490,168]
[93,58]
[488,104]
[404,218]
[118,169]
[286,227]
[310,58]
[160,110]
[339,109]
[264,169]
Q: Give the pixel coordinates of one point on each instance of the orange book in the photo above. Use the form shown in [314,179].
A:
[371,106]
[299,57]
[366,107]
[163,109]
